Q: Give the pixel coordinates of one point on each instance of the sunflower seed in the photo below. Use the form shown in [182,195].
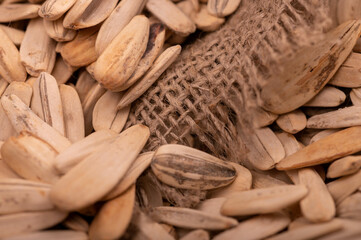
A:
[88,13]
[14,224]
[136,169]
[323,134]
[344,166]
[190,218]
[260,201]
[15,198]
[310,232]
[77,223]
[242,182]
[56,31]
[207,22]
[118,19]
[187,168]
[31,158]
[114,217]
[11,68]
[258,227]
[84,85]
[15,12]
[23,119]
[120,59]
[262,180]
[24,92]
[154,48]
[142,85]
[311,74]
[318,205]
[62,71]
[271,143]
[39,57]
[78,151]
[199,234]
[73,113]
[107,116]
[51,234]
[222,8]
[81,50]
[15,35]
[104,170]
[172,16]
[334,146]
[54,9]
[46,102]
[292,122]
[327,97]
[348,75]
[350,207]
[344,186]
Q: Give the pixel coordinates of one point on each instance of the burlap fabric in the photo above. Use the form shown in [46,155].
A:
[207,98]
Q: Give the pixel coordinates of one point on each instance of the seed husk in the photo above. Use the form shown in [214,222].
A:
[78,151]
[15,35]
[118,19]
[258,227]
[22,197]
[344,166]
[24,92]
[242,182]
[84,85]
[46,102]
[104,170]
[172,16]
[271,143]
[199,234]
[107,116]
[318,205]
[30,157]
[312,74]
[23,119]
[39,57]
[51,234]
[187,168]
[54,9]
[88,13]
[289,143]
[11,68]
[154,48]
[80,51]
[158,67]
[62,71]
[76,222]
[292,122]
[16,12]
[310,232]
[327,97]
[190,218]
[140,164]
[207,22]
[114,217]
[262,180]
[344,186]
[348,75]
[120,59]
[261,201]
[222,8]
[56,31]
[334,146]
[73,113]
[14,224]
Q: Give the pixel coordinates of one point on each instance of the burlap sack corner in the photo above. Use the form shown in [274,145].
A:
[208,96]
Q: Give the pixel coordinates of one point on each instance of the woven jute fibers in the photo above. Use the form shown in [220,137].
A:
[207,98]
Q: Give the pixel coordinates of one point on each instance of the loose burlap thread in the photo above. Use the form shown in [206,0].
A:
[206,99]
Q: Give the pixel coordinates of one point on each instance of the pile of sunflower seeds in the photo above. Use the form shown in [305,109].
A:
[60,179]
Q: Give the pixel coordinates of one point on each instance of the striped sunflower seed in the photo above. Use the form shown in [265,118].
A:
[222,8]
[207,22]
[187,168]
